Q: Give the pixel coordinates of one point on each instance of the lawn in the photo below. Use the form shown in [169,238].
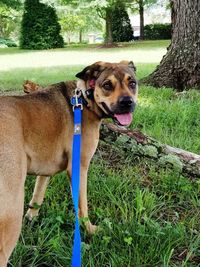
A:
[149,217]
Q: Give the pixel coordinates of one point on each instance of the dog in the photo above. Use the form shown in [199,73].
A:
[36,138]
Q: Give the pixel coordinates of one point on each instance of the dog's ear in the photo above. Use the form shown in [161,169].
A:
[130,64]
[91,72]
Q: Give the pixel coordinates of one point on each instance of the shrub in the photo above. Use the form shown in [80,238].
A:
[8,42]
[158,31]
[121,27]
[40,28]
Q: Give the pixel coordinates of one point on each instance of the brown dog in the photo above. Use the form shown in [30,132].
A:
[36,138]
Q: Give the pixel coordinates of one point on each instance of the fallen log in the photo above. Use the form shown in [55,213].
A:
[142,145]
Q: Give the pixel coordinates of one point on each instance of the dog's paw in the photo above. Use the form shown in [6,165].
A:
[91,228]
[31,213]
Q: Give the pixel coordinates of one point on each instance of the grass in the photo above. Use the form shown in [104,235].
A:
[149,216]
[170,119]
[139,45]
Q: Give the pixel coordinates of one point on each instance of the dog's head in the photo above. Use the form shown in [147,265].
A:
[114,88]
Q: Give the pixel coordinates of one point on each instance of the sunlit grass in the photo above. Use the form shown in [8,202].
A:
[142,52]
[12,80]
[172,120]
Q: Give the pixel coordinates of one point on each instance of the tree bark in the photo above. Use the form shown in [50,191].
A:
[141,12]
[135,143]
[180,67]
[80,35]
[109,39]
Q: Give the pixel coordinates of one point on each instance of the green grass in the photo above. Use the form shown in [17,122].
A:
[149,217]
[140,45]
[12,80]
[170,119]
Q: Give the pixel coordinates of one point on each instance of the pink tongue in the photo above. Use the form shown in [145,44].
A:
[124,119]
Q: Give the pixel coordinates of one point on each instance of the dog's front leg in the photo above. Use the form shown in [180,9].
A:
[90,138]
[38,196]
[83,204]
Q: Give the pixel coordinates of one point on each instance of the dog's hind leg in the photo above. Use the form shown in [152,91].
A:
[38,196]
[12,177]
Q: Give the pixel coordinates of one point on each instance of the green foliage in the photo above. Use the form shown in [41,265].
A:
[137,4]
[8,42]
[121,27]
[15,4]
[105,9]
[79,21]
[9,20]
[40,28]
[158,31]
[70,23]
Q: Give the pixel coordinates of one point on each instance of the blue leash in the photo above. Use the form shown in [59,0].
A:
[76,102]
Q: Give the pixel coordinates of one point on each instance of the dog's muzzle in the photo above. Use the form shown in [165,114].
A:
[121,112]
[126,103]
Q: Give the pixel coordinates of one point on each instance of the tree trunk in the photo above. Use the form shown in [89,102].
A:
[69,39]
[80,35]
[141,11]
[134,143]
[180,67]
[109,39]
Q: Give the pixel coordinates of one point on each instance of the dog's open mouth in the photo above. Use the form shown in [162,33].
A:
[123,119]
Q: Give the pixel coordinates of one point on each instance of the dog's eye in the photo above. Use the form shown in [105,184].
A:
[132,84]
[107,86]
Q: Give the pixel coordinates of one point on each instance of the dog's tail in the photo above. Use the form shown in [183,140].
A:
[30,87]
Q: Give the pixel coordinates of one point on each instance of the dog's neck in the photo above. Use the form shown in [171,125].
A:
[90,105]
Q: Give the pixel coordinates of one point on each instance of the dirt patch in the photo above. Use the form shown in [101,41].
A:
[11,92]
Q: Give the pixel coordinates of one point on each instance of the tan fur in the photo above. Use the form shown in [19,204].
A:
[36,132]
[30,87]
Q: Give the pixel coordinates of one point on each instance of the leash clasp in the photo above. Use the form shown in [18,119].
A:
[76,100]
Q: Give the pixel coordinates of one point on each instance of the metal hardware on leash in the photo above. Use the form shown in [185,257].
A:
[77,99]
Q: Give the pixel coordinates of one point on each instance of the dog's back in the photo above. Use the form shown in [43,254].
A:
[38,122]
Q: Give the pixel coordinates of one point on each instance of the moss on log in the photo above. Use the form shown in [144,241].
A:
[142,145]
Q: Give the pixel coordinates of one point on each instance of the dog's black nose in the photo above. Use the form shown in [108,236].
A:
[125,102]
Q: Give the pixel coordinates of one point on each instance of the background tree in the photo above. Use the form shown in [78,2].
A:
[40,28]
[15,4]
[70,23]
[79,20]
[180,67]
[9,17]
[139,6]
[90,21]
[104,9]
[122,30]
